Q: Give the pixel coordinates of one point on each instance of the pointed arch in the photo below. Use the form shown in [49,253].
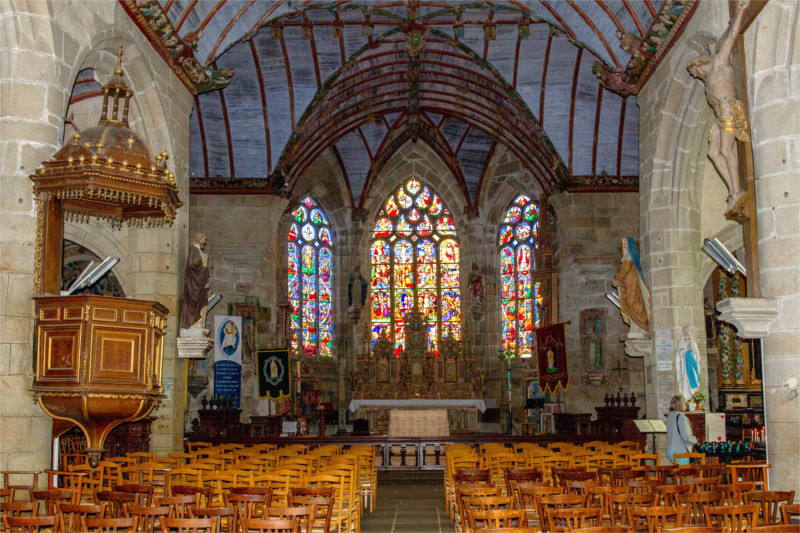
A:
[415,262]
[309,251]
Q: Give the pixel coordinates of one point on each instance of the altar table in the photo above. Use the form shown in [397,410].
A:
[454,415]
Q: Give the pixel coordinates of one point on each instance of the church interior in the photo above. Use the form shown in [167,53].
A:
[407,225]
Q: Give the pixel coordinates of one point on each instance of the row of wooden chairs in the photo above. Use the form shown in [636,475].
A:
[313,507]
[526,490]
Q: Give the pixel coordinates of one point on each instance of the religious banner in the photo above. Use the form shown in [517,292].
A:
[552,352]
[228,357]
[274,375]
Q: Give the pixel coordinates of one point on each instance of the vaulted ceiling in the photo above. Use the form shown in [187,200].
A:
[361,79]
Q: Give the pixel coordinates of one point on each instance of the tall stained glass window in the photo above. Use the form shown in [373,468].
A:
[521,290]
[310,275]
[415,261]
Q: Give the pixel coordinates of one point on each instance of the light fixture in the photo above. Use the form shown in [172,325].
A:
[717,251]
[614,298]
[91,275]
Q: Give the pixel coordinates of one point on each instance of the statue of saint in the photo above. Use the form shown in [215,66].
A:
[717,73]
[634,298]
[356,288]
[476,287]
[687,369]
[594,345]
[195,285]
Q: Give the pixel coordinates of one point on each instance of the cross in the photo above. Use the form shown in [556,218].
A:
[619,370]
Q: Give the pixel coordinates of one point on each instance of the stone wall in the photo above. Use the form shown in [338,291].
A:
[44,45]
[590,231]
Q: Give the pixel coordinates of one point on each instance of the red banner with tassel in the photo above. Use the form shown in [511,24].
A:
[552,354]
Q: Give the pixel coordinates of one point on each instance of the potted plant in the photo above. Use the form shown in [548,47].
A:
[698,399]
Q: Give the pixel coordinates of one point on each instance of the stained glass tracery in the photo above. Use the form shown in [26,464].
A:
[310,268]
[415,262]
[521,293]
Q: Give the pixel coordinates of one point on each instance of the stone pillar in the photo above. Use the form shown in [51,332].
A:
[775,117]
[32,104]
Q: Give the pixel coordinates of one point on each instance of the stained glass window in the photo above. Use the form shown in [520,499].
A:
[522,299]
[415,260]
[310,276]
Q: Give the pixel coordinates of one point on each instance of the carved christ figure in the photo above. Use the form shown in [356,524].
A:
[195,284]
[717,73]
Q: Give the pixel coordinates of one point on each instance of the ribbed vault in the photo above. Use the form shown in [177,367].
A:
[337,76]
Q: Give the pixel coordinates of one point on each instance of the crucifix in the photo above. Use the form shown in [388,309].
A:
[725,82]
[619,370]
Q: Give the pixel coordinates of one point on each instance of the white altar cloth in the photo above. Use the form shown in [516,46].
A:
[418,404]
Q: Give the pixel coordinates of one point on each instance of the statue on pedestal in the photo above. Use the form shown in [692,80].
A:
[356,294]
[687,368]
[195,287]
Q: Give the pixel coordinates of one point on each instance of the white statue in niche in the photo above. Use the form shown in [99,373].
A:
[687,367]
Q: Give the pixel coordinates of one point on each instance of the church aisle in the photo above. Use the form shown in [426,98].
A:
[410,502]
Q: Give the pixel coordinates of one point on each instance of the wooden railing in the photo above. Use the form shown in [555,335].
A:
[397,453]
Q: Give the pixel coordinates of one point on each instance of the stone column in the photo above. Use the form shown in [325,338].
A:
[32,103]
[775,116]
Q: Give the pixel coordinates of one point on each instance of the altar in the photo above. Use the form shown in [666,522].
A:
[419,417]
[389,380]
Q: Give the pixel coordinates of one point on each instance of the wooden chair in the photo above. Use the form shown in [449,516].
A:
[755,473]
[702,484]
[694,506]
[143,494]
[732,517]
[641,486]
[116,503]
[644,459]
[735,493]
[304,515]
[179,506]
[621,503]
[520,475]
[770,503]
[694,457]
[248,506]
[468,491]
[656,518]
[71,514]
[604,529]
[29,524]
[775,528]
[109,525]
[572,519]
[60,479]
[498,518]
[486,503]
[201,495]
[621,476]
[574,486]
[147,517]
[788,511]
[668,494]
[19,508]
[189,525]
[51,499]
[270,526]
[155,474]
[696,529]
[224,516]
[185,477]
[20,485]
[323,508]
[599,497]
[531,500]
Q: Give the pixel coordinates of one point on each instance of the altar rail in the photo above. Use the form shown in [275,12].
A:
[399,453]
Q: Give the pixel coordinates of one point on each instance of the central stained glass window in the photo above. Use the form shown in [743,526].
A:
[310,276]
[415,261]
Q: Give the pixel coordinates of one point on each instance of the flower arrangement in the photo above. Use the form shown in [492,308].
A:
[698,397]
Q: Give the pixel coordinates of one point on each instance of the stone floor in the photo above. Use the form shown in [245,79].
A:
[410,502]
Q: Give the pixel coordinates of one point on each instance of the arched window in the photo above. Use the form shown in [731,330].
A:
[526,263]
[310,276]
[415,259]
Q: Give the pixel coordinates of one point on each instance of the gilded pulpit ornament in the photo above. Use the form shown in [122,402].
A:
[99,358]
